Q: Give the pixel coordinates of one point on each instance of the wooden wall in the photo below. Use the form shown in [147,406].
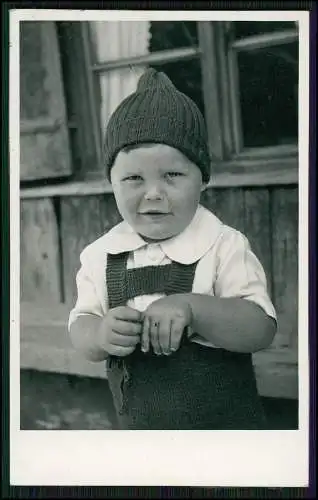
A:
[54,230]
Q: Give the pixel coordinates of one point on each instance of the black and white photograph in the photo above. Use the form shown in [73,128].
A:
[160,160]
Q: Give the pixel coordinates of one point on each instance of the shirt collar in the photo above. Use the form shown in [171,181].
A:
[185,248]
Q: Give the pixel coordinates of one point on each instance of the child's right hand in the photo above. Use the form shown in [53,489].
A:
[120,330]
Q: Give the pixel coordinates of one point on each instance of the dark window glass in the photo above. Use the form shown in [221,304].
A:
[171,35]
[268,83]
[242,29]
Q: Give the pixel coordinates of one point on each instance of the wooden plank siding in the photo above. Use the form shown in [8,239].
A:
[277,367]
[267,216]
[227,204]
[257,228]
[285,263]
[39,252]
[83,219]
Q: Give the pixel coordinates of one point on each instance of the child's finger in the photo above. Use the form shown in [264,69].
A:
[126,327]
[121,351]
[126,313]
[177,328]
[154,336]
[125,341]
[164,334]
[145,335]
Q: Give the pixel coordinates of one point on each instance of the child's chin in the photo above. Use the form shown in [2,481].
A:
[155,235]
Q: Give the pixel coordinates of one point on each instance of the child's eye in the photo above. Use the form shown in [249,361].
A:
[171,175]
[133,178]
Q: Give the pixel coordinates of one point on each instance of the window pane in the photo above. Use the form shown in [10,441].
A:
[115,40]
[268,81]
[186,76]
[172,35]
[242,29]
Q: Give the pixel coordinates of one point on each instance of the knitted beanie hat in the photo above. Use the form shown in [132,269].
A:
[158,113]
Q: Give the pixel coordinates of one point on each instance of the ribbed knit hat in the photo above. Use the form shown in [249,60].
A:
[157,112]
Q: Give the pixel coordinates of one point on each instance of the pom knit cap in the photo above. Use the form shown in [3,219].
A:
[157,112]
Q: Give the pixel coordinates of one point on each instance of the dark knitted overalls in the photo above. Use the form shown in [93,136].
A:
[196,387]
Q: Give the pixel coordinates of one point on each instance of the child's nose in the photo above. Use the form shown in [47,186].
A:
[153,192]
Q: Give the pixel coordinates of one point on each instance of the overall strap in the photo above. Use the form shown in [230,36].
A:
[124,284]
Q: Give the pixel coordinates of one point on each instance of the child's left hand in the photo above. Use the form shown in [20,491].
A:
[164,323]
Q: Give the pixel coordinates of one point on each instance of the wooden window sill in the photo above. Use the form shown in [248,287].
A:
[79,188]
[264,171]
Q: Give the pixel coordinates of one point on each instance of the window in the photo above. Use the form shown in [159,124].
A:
[242,75]
[262,60]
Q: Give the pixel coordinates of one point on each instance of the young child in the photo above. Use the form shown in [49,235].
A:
[172,299]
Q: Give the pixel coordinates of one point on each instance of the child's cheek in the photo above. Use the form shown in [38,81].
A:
[128,198]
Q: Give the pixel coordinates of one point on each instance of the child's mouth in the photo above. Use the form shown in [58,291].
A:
[155,214]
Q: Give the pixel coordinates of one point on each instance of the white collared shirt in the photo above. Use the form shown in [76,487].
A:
[226,266]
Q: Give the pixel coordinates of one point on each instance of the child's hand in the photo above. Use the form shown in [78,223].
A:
[164,324]
[120,330]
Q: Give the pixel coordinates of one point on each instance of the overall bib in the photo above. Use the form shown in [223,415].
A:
[196,387]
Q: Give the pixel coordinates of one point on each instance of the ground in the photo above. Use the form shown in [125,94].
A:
[54,401]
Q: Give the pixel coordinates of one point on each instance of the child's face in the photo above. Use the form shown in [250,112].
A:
[157,190]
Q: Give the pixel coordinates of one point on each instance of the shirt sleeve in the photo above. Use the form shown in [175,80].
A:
[240,273]
[88,301]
